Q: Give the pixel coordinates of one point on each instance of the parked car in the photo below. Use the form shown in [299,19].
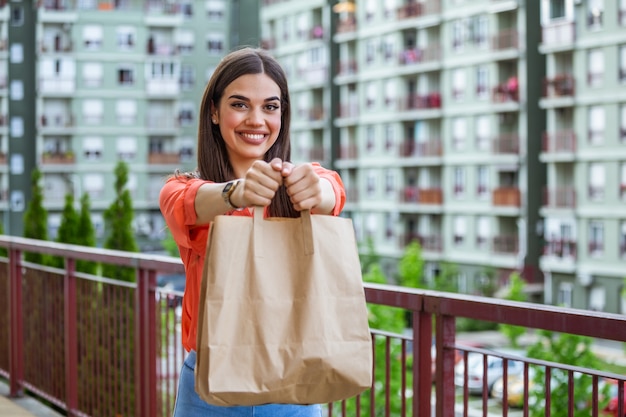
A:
[515,388]
[475,370]
[458,355]
[611,409]
[171,286]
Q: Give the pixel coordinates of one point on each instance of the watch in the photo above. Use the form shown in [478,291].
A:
[227,192]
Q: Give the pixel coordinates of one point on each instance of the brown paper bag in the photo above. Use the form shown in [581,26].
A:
[282,315]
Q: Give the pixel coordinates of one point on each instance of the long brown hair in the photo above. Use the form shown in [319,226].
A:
[213,161]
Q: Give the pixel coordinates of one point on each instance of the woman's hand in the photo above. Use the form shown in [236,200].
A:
[303,185]
[259,184]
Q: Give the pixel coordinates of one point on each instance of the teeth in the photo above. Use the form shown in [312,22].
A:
[253,136]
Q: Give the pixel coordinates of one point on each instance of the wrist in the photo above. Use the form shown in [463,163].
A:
[228,195]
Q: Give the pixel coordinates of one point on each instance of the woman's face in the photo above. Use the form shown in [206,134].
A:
[249,117]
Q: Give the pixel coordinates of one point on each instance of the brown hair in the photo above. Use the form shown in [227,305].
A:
[213,161]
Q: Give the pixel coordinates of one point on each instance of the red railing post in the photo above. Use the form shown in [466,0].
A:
[422,384]
[444,342]
[71,338]
[16,341]
[145,345]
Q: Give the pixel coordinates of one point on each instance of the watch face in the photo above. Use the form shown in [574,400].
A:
[228,187]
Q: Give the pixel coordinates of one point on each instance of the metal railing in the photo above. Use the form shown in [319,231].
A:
[94,346]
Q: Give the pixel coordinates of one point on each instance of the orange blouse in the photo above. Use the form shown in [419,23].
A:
[177,200]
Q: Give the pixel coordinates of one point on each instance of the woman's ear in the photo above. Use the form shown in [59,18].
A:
[214,116]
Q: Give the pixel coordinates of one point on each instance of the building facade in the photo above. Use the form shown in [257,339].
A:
[120,80]
[444,120]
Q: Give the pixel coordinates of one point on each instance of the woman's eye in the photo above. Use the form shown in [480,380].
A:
[272,107]
[239,105]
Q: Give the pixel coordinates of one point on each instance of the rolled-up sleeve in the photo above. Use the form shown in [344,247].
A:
[337,184]
[177,202]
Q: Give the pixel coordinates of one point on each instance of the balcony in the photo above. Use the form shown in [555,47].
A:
[559,197]
[506,196]
[62,158]
[87,342]
[410,148]
[431,243]
[558,34]
[163,158]
[414,56]
[563,141]
[415,9]
[560,248]
[422,195]
[561,85]
[505,39]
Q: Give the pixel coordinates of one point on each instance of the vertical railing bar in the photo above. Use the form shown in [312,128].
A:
[620,398]
[373,388]
[151,351]
[594,396]
[16,343]
[422,361]
[403,378]
[526,382]
[484,384]
[570,393]
[445,337]
[548,391]
[505,387]
[71,338]
[387,376]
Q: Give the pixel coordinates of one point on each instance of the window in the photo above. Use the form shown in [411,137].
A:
[480,31]
[597,298]
[370,138]
[389,223]
[390,183]
[622,238]
[187,77]
[184,40]
[126,112]
[389,137]
[622,14]
[93,148]
[126,37]
[215,43]
[596,125]
[162,70]
[596,181]
[557,9]
[215,10]
[482,82]
[483,231]
[459,133]
[185,114]
[93,110]
[187,146]
[594,13]
[126,75]
[457,34]
[458,83]
[482,132]
[93,184]
[622,183]
[92,74]
[126,148]
[460,228]
[92,35]
[565,294]
[372,93]
[595,64]
[622,129]
[482,181]
[459,181]
[370,51]
[596,238]
[622,62]
[371,183]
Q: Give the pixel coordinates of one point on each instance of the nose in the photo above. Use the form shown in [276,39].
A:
[255,117]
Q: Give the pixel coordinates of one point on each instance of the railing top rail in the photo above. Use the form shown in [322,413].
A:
[133,259]
[537,316]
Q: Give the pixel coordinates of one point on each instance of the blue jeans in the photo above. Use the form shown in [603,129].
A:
[189,404]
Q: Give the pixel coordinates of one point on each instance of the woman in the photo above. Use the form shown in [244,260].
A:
[243,161]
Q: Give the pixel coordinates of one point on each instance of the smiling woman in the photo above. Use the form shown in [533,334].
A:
[244,153]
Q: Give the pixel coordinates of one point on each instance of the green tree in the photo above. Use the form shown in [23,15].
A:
[447,278]
[68,229]
[36,218]
[411,267]
[390,320]
[86,234]
[369,256]
[118,219]
[3,251]
[170,244]
[515,292]
[570,350]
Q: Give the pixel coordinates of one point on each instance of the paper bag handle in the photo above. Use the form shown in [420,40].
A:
[305,225]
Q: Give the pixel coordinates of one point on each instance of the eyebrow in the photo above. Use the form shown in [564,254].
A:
[238,97]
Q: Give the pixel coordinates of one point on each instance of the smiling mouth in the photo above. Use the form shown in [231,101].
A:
[253,137]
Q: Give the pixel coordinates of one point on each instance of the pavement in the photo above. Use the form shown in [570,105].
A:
[25,406]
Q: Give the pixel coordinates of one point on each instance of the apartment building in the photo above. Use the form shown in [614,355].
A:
[444,120]
[120,80]
[584,150]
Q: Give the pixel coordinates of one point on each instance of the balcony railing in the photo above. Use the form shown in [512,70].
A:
[563,141]
[96,346]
